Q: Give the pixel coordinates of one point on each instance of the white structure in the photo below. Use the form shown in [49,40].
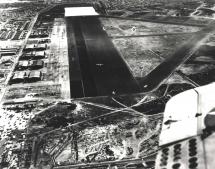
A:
[80,11]
[184,113]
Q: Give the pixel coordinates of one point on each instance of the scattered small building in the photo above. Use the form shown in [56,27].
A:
[42,46]
[39,33]
[29,47]
[44,41]
[35,47]
[7,53]
[26,56]
[39,55]
[18,77]
[32,64]
[35,76]
[22,65]
[36,64]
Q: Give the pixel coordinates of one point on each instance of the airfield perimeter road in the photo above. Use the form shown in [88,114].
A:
[103,70]
[182,54]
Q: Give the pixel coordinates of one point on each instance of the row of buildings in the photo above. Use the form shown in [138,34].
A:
[33,55]
[31,64]
[26,76]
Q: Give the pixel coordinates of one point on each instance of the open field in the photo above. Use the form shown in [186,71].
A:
[119,27]
[144,54]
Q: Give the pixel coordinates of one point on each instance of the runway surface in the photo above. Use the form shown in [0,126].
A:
[181,55]
[103,70]
[76,85]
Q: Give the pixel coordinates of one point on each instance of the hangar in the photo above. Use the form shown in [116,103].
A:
[80,11]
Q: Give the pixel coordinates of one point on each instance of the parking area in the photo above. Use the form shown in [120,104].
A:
[59,54]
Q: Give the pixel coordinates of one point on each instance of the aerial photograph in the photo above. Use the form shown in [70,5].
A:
[107,84]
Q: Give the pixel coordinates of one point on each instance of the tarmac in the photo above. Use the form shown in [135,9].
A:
[102,70]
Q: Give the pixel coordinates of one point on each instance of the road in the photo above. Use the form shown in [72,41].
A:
[101,164]
[157,76]
[103,70]
[187,78]
[140,36]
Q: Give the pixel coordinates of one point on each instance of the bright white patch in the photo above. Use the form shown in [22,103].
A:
[181,111]
[80,11]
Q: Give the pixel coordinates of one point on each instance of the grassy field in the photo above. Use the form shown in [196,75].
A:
[144,54]
[119,27]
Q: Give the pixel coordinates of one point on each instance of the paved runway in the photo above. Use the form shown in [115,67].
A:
[182,54]
[103,70]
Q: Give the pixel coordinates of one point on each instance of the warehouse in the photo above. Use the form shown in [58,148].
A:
[7,53]
[18,77]
[29,47]
[26,56]
[41,46]
[22,65]
[39,55]
[36,64]
[35,76]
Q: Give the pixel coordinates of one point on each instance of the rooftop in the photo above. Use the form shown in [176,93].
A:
[80,11]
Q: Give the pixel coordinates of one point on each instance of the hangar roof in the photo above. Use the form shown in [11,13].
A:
[80,11]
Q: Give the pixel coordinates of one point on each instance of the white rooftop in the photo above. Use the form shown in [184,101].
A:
[80,11]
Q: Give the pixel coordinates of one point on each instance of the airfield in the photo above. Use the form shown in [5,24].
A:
[88,90]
